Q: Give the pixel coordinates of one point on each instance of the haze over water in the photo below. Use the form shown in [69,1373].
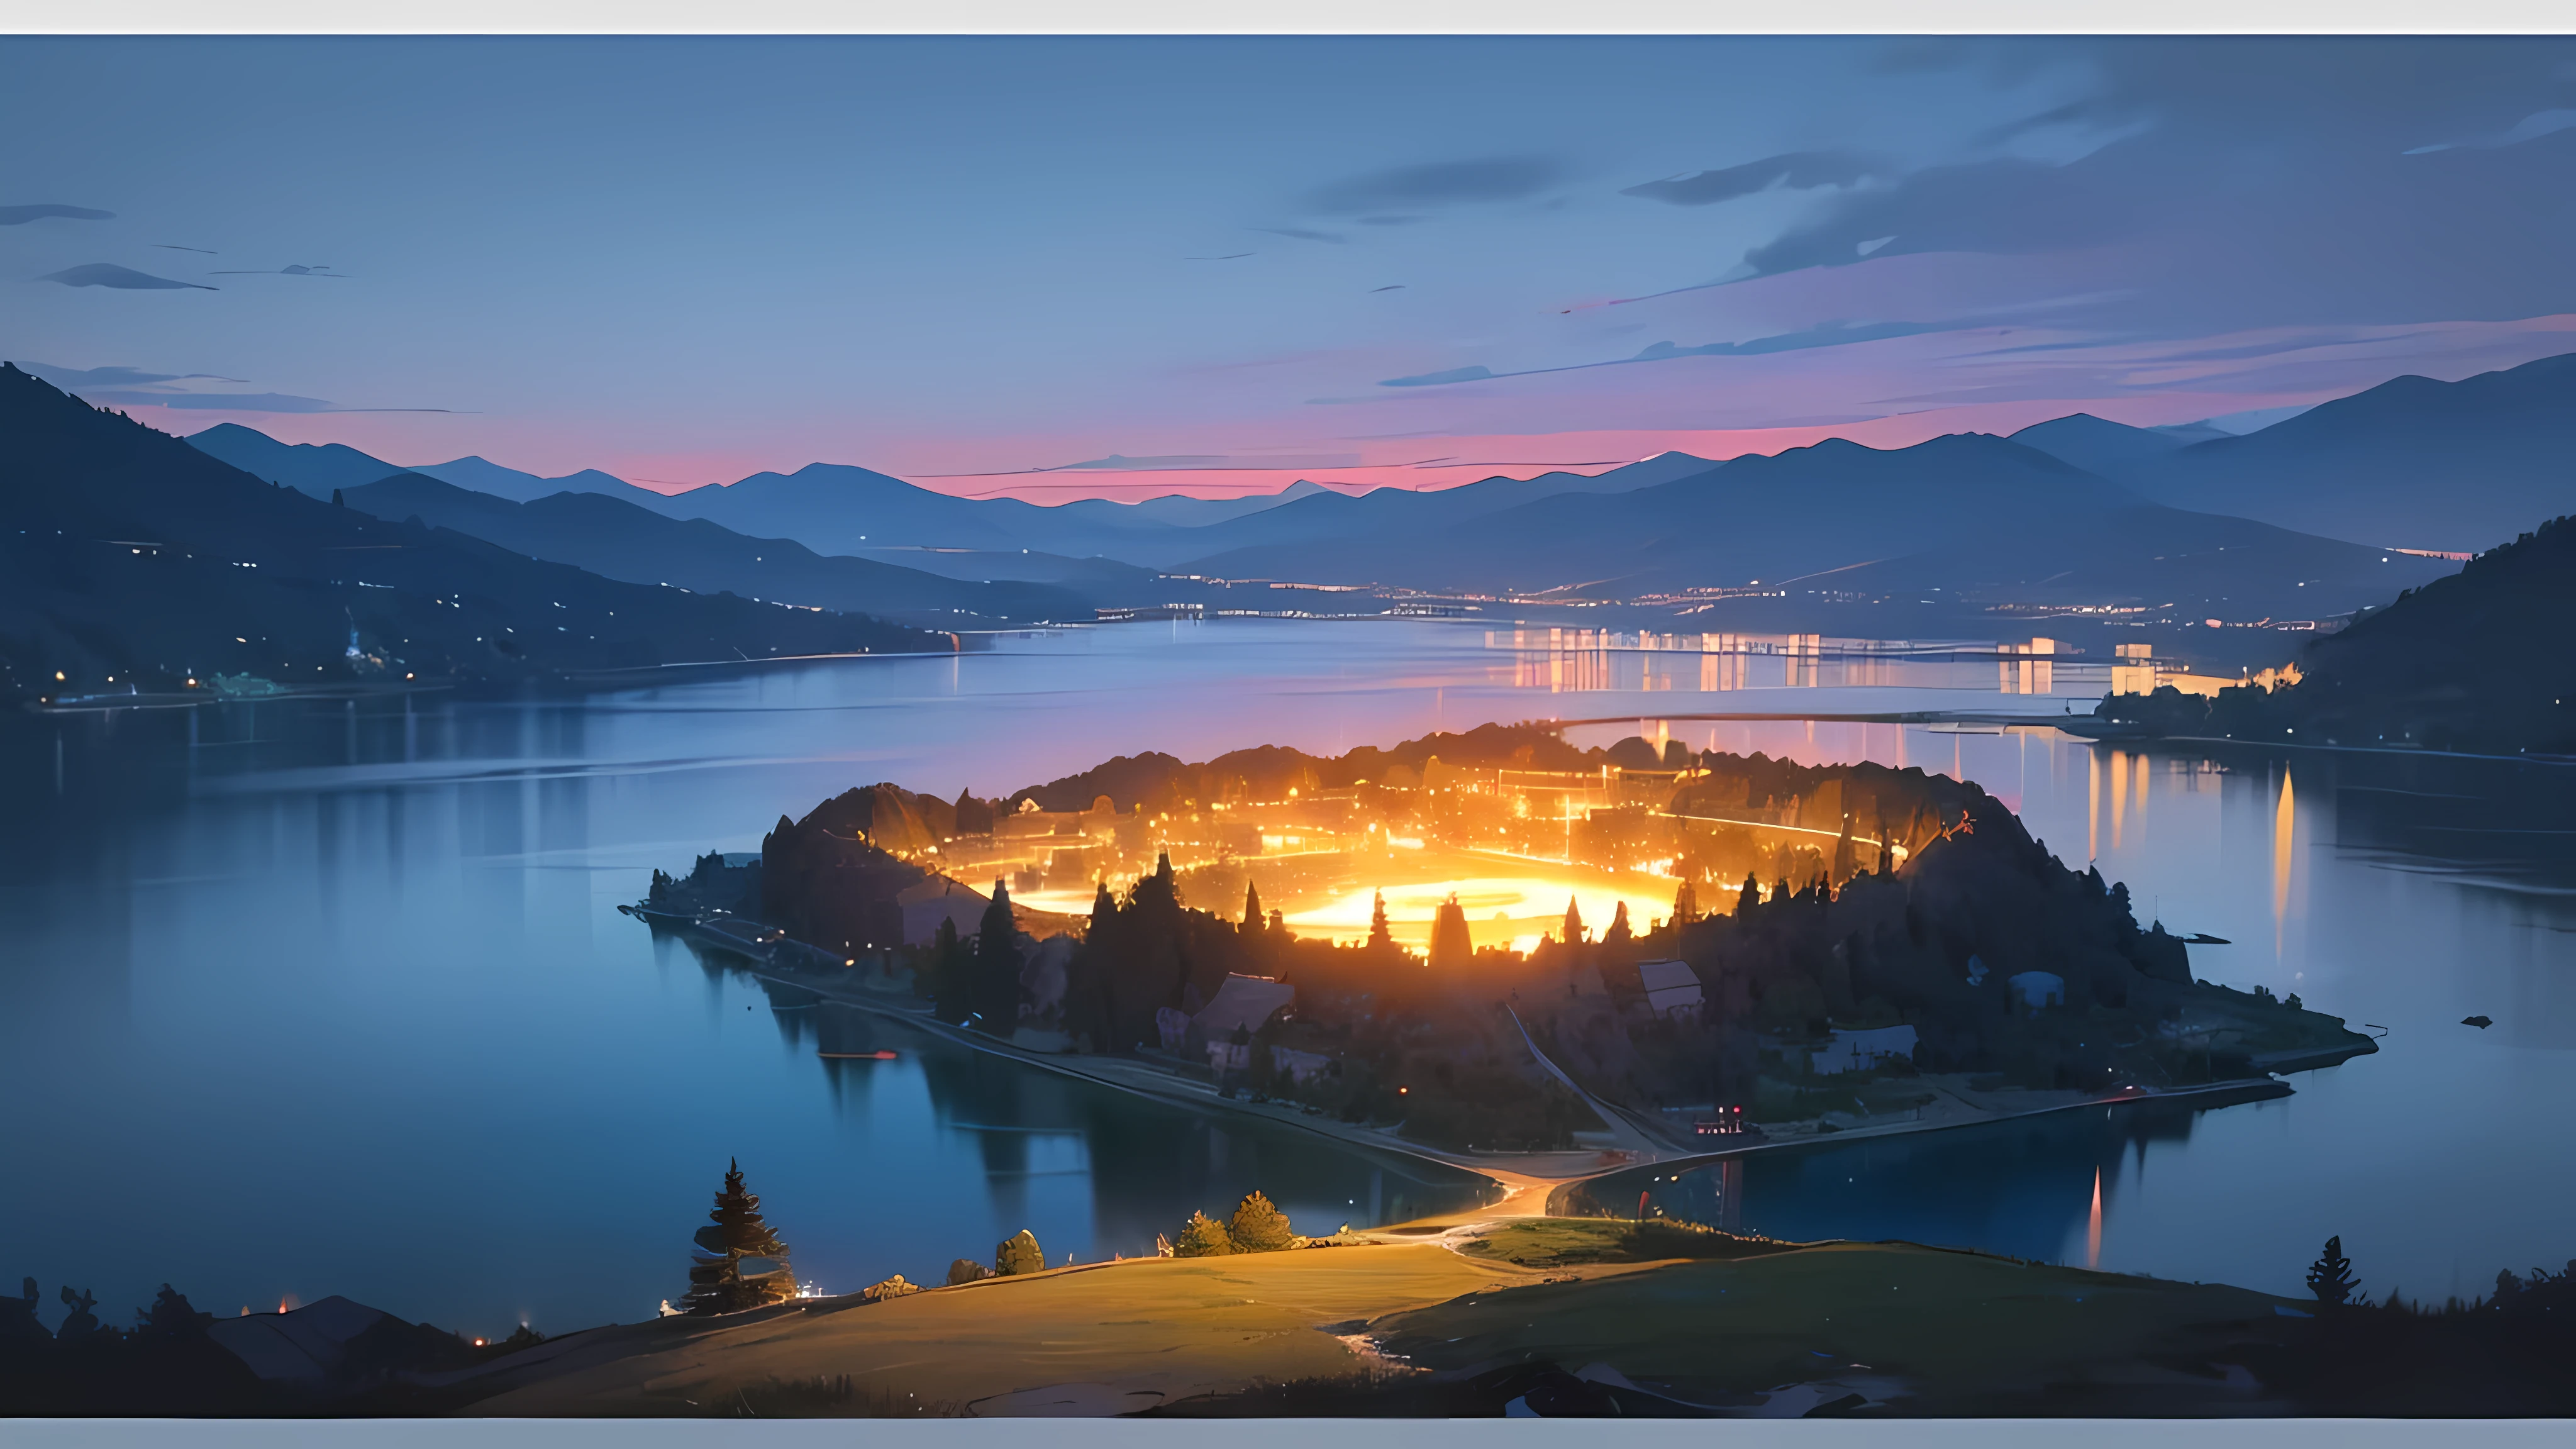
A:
[335,998]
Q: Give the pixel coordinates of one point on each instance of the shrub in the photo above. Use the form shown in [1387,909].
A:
[1259,1227]
[1017,1255]
[893,1287]
[1202,1237]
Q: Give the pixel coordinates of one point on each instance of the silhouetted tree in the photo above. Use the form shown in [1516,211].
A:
[1453,944]
[1259,1227]
[80,1322]
[172,1316]
[997,967]
[18,1314]
[1617,938]
[1573,923]
[1750,896]
[952,975]
[2330,1277]
[1018,1254]
[1379,938]
[1252,919]
[740,1263]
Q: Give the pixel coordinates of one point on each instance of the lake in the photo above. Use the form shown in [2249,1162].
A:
[318,996]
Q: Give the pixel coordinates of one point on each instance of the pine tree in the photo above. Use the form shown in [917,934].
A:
[997,967]
[1018,1254]
[952,979]
[1453,944]
[1616,939]
[1379,938]
[2330,1277]
[740,1263]
[1202,1237]
[1252,919]
[1573,923]
[1259,1227]
[1160,890]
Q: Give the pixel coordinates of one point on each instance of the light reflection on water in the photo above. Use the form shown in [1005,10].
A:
[335,999]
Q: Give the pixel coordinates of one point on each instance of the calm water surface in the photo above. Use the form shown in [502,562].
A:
[301,997]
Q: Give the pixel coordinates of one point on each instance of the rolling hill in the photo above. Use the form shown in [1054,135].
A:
[127,555]
[2411,463]
[617,539]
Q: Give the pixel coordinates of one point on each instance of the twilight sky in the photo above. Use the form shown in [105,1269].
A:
[1207,265]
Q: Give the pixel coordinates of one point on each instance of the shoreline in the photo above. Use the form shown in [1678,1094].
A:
[1508,1174]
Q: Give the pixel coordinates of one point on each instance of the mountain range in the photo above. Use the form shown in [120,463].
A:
[2077,518]
[618,539]
[131,560]
[2412,463]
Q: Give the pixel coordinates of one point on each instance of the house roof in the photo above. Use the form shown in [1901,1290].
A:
[1244,1002]
[1662,975]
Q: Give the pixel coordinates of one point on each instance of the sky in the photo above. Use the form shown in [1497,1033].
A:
[1105,266]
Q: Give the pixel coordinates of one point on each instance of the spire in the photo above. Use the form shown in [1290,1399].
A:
[1251,906]
[1573,922]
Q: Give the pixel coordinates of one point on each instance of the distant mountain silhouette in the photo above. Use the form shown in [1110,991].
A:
[484,476]
[836,509]
[126,552]
[309,468]
[1978,519]
[1325,517]
[2098,445]
[1182,511]
[2411,463]
[1827,506]
[617,539]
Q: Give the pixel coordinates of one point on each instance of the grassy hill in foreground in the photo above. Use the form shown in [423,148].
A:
[1495,1317]
[128,557]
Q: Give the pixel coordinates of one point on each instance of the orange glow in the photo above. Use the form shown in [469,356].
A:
[2119,794]
[1525,906]
[2092,804]
[2284,826]
[2093,1231]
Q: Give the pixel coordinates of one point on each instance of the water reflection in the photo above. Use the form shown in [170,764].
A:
[369,955]
[1138,1158]
[2038,1187]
